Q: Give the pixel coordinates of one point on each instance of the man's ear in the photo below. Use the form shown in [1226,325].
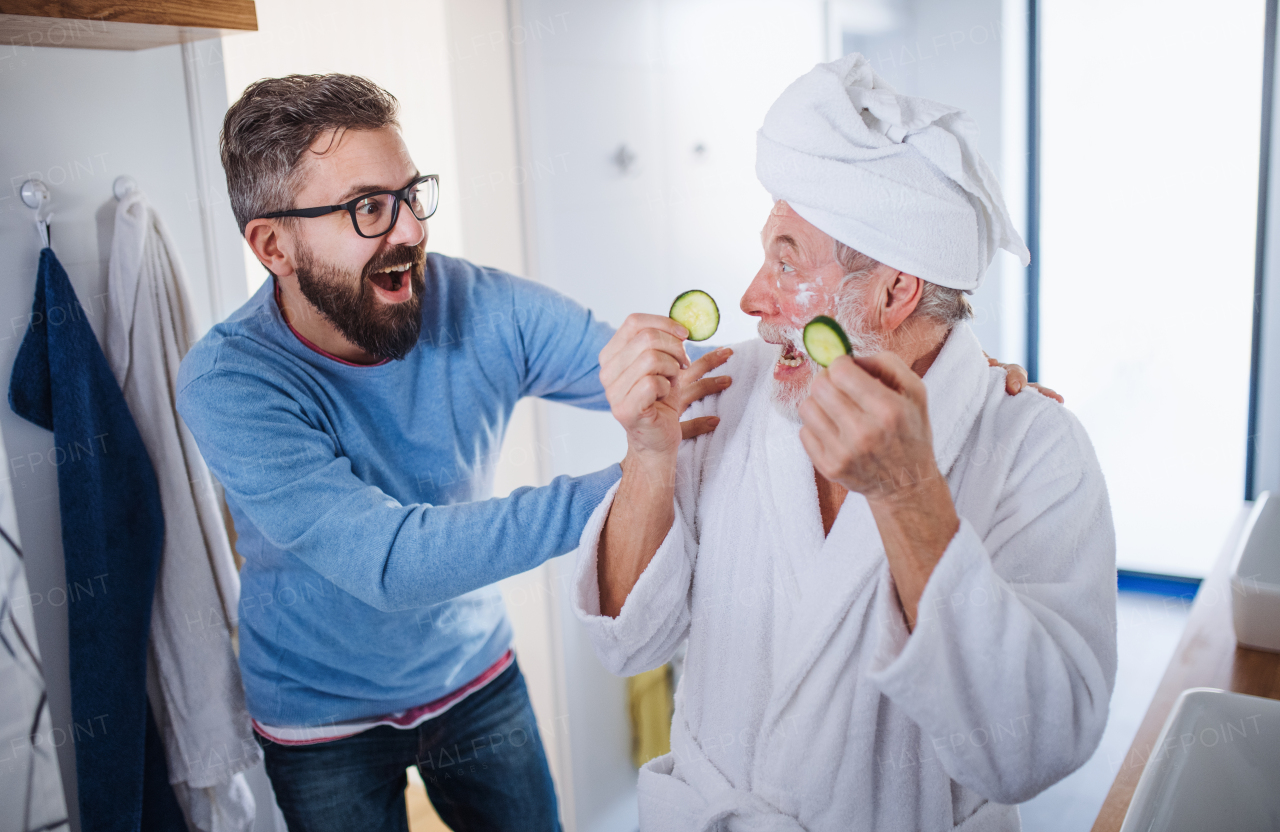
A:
[899,296]
[263,237]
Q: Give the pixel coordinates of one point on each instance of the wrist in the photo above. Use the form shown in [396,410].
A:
[922,512]
[649,459]
[922,490]
[655,468]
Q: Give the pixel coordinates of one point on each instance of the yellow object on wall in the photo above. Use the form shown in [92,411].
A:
[649,698]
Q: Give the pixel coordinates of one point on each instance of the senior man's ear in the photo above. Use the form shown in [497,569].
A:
[899,295]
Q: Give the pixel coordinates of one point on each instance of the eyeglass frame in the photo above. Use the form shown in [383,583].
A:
[401,195]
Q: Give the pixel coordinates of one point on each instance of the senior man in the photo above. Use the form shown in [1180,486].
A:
[897,583]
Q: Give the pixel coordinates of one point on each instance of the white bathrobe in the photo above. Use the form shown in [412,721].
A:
[805,702]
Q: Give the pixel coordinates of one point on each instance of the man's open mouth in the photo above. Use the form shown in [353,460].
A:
[791,357]
[393,282]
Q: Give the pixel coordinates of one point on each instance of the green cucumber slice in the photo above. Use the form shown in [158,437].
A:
[697,312]
[825,341]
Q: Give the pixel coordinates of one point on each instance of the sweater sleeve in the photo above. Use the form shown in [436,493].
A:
[300,492]
[561,342]
[1010,667]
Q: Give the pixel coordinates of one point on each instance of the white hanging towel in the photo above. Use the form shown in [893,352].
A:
[31,786]
[193,680]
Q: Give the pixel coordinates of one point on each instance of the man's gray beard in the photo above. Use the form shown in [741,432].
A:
[852,315]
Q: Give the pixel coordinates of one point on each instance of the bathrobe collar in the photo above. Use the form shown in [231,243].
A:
[956,385]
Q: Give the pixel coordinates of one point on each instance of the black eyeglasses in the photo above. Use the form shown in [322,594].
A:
[375,214]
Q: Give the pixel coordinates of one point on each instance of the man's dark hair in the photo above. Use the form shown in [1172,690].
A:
[266,132]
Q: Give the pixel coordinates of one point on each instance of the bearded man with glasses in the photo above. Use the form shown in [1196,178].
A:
[353,410]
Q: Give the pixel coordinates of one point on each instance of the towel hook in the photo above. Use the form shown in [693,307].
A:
[123,186]
[35,195]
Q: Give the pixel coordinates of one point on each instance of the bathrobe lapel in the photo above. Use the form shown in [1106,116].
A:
[956,384]
[819,580]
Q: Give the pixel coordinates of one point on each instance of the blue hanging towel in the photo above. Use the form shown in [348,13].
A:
[112,535]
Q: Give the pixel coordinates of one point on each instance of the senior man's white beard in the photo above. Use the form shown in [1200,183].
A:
[852,314]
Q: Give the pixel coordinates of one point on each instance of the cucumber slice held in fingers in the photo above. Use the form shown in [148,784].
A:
[696,312]
[825,340]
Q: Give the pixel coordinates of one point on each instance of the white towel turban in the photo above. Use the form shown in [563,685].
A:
[896,177]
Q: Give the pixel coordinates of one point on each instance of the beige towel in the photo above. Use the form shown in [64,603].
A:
[193,680]
[649,700]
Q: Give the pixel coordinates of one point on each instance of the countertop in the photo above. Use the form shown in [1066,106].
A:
[1207,656]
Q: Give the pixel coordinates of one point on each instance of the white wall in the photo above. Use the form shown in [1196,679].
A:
[493,184]
[77,119]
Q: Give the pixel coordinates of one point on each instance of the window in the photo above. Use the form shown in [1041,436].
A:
[1149,178]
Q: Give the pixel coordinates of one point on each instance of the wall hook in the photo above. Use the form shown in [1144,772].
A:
[35,195]
[123,186]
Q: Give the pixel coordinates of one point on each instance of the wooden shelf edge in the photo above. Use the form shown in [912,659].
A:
[195,14]
[18,31]
[101,24]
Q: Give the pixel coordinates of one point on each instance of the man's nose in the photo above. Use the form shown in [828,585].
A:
[758,300]
[409,230]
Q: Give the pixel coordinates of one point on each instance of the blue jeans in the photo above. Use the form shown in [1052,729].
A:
[482,762]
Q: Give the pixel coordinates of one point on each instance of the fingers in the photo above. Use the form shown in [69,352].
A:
[700,389]
[1015,378]
[889,369]
[871,381]
[637,323]
[815,449]
[815,415]
[1053,394]
[699,426]
[636,402]
[708,362]
[828,401]
[649,364]
[622,356]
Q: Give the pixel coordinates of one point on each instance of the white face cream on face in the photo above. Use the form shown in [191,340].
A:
[800,279]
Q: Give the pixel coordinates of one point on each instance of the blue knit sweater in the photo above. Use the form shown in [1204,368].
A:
[361,494]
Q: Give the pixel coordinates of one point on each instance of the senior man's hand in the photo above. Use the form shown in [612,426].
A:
[866,427]
[650,381]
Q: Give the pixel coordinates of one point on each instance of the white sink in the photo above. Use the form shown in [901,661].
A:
[1215,766]
[1255,577]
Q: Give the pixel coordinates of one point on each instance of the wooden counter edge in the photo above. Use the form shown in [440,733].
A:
[1206,656]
